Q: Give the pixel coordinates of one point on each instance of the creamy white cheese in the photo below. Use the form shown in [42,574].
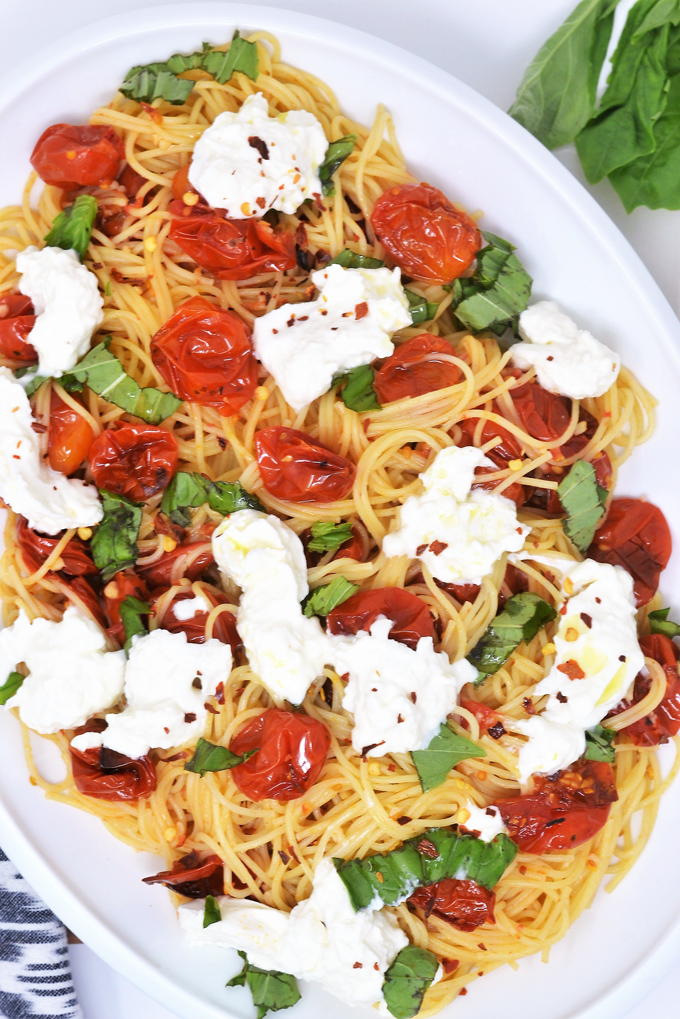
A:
[167,682]
[398,696]
[323,939]
[266,559]
[248,162]
[485,822]
[349,324]
[568,360]
[68,304]
[71,674]
[49,501]
[597,643]
[470,529]
[187,608]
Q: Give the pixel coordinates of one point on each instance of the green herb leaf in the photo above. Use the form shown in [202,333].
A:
[324,599]
[356,388]
[212,757]
[583,501]
[421,310]
[351,260]
[211,911]
[660,623]
[522,617]
[241,56]
[442,754]
[270,989]
[407,980]
[599,744]
[326,537]
[131,611]
[10,686]
[105,375]
[556,97]
[107,288]
[336,154]
[155,81]
[72,228]
[114,543]
[191,490]
[497,292]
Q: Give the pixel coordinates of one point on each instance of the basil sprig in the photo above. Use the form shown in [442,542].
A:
[437,854]
[356,388]
[72,227]
[336,154]
[10,686]
[407,979]
[599,742]
[443,753]
[351,260]
[211,911]
[493,297]
[660,623]
[324,599]
[104,374]
[34,382]
[583,501]
[131,611]
[522,617]
[327,537]
[191,490]
[421,310]
[270,989]
[114,543]
[213,757]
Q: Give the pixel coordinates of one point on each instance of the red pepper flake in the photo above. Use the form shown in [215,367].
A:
[404,819]
[221,442]
[561,698]
[284,856]
[358,965]
[391,766]
[366,423]
[522,869]
[371,746]
[588,620]
[463,991]
[166,730]
[400,718]
[219,693]
[261,202]
[376,966]
[427,848]
[36,426]
[175,757]
[572,669]
[482,947]
[361,310]
[414,696]
[448,965]
[563,610]
[421,549]
[598,600]
[496,731]
[291,321]
[211,708]
[529,706]
[190,716]
[379,876]
[437,547]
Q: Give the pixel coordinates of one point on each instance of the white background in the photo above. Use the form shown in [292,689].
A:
[485,43]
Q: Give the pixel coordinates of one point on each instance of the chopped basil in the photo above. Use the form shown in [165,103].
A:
[323,599]
[155,81]
[241,56]
[326,537]
[212,757]
[407,979]
[336,154]
[660,623]
[351,260]
[211,911]
[493,297]
[131,611]
[583,501]
[114,543]
[442,754]
[192,490]
[356,388]
[33,382]
[105,376]
[270,989]
[436,854]
[10,686]
[522,617]
[599,744]
[421,309]
[72,228]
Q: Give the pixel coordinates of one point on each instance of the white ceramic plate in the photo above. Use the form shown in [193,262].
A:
[460,142]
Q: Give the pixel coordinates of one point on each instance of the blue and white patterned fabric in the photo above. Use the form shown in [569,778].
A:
[35,976]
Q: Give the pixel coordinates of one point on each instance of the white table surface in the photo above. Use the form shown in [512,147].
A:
[485,43]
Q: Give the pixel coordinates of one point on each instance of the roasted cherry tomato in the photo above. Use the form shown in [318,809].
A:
[634,535]
[424,234]
[79,592]
[192,877]
[17,318]
[70,436]
[205,356]
[131,181]
[514,581]
[414,369]
[122,585]
[233,249]
[566,809]
[544,416]
[137,461]
[664,721]
[190,560]
[35,549]
[181,185]
[71,156]
[410,615]
[107,775]
[291,751]
[298,468]
[465,904]
[509,448]
[515,491]
[486,716]
[224,628]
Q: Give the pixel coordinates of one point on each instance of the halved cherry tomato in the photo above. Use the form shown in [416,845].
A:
[192,877]
[233,249]
[291,751]
[486,716]
[298,468]
[181,185]
[224,628]
[509,448]
[69,438]
[69,156]
[545,416]
[413,369]
[424,234]
[107,775]
[410,615]
[352,549]
[122,585]
[80,592]
[17,318]
[634,535]
[465,904]
[137,461]
[566,809]
[514,581]
[131,181]
[190,560]
[35,549]
[514,492]
[664,721]
[205,356]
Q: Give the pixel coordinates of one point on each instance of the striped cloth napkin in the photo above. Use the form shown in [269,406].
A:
[35,976]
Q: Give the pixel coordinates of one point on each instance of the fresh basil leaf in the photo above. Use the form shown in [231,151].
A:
[213,757]
[180,62]
[493,297]
[421,309]
[522,617]
[211,911]
[114,542]
[324,599]
[229,496]
[583,501]
[10,686]
[660,623]
[105,376]
[599,744]
[407,979]
[326,537]
[443,753]
[662,12]
[241,56]
[155,81]
[557,94]
[191,490]
[351,260]
[72,228]
[336,154]
[356,388]
[270,989]
[33,382]
[131,611]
